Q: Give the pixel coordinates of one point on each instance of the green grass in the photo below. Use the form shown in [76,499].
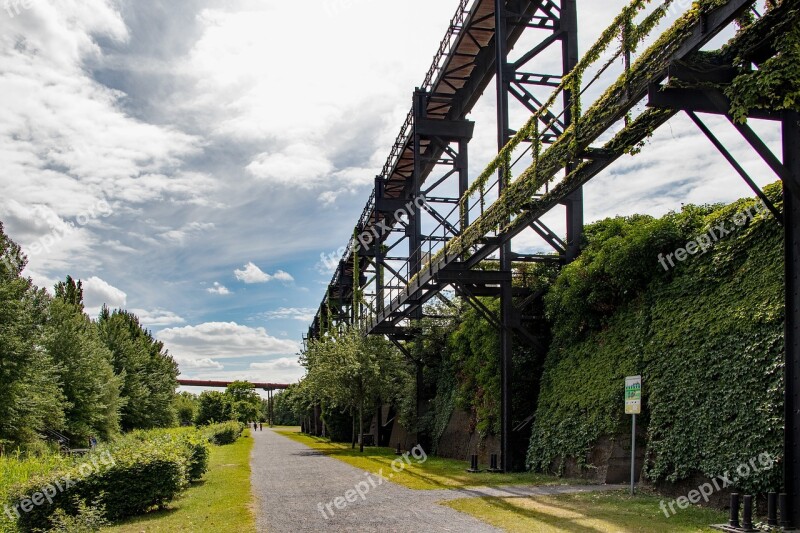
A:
[221,501]
[586,512]
[18,468]
[433,473]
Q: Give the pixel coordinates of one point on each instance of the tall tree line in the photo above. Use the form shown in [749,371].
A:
[62,372]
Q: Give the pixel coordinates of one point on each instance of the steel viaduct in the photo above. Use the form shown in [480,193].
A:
[400,256]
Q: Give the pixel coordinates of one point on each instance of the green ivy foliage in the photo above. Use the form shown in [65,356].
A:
[706,336]
[474,349]
[615,265]
[775,85]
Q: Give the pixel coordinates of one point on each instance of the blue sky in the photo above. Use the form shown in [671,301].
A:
[191,160]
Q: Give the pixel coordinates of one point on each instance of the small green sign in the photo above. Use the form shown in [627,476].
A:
[633,395]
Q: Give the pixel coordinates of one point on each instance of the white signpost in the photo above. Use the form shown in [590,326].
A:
[633,406]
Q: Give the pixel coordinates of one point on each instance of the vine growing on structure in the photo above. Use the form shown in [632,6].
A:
[609,108]
[776,83]
[357,296]
[327,325]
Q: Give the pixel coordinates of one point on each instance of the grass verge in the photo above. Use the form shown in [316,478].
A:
[608,511]
[221,501]
[433,473]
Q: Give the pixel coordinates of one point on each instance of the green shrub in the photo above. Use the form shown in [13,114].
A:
[198,460]
[88,520]
[223,433]
[141,471]
[134,480]
[192,439]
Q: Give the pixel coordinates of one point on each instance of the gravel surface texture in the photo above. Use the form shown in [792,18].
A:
[292,482]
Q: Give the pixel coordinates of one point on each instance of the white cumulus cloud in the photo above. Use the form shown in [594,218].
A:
[199,364]
[250,274]
[218,288]
[157,318]
[280,275]
[97,292]
[303,314]
[298,165]
[220,340]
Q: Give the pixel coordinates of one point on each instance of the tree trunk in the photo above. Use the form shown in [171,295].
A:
[379,424]
[361,426]
[353,416]
[322,419]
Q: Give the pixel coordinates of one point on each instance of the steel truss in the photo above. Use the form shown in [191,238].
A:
[435,135]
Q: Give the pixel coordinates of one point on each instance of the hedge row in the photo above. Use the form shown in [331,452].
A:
[142,471]
[223,433]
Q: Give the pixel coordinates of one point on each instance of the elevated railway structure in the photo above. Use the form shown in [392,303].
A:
[224,384]
[270,388]
[429,230]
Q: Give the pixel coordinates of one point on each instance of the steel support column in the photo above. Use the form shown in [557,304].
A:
[463,178]
[506,303]
[414,234]
[379,254]
[566,30]
[791,203]
[414,228]
[574,202]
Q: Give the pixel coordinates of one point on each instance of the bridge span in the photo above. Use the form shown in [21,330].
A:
[224,384]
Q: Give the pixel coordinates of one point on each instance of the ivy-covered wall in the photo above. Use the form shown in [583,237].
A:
[706,336]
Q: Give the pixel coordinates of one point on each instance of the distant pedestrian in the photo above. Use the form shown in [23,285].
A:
[260,426]
[92,442]
[255,427]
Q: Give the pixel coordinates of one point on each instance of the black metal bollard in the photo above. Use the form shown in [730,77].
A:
[734,520]
[747,513]
[783,505]
[494,462]
[772,509]
[473,464]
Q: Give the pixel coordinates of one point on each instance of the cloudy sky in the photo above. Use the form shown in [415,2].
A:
[194,160]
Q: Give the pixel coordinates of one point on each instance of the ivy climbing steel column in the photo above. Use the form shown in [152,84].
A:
[791,203]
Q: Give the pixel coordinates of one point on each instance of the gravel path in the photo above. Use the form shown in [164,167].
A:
[292,481]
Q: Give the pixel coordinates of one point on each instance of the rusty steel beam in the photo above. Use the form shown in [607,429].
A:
[224,384]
